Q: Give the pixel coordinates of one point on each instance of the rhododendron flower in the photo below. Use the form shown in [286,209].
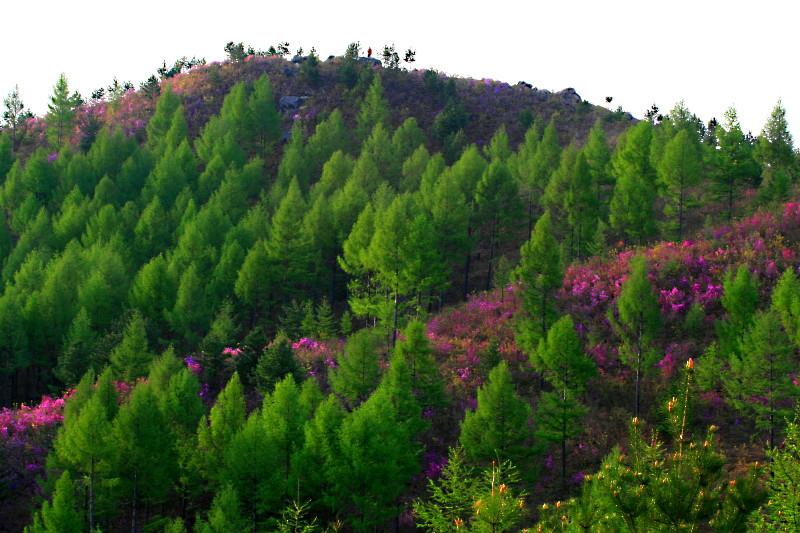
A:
[232,352]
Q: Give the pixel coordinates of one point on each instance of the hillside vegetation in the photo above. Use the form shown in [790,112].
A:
[265,295]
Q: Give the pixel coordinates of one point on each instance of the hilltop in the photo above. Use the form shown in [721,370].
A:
[333,292]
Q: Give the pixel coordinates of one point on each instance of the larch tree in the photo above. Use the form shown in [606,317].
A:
[374,110]
[638,322]
[358,371]
[216,431]
[498,427]
[61,113]
[541,272]
[760,377]
[631,212]
[497,207]
[679,170]
[61,515]
[132,357]
[143,452]
[737,164]
[567,368]
[775,147]
[415,348]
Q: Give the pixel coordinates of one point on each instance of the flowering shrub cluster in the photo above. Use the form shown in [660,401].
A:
[463,336]
[315,357]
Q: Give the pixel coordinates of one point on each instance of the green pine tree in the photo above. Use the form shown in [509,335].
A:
[567,368]
[540,271]
[638,323]
[61,113]
[132,357]
[61,515]
[498,428]
[679,171]
[358,371]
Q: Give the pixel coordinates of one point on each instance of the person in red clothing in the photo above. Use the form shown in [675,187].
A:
[369,52]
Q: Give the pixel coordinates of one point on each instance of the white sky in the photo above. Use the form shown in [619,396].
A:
[710,53]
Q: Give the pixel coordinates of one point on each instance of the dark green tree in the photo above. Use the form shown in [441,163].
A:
[132,357]
[358,371]
[498,428]
[374,110]
[637,324]
[61,113]
[631,209]
[276,362]
[760,377]
[567,368]
[61,515]
[679,170]
[498,206]
[541,272]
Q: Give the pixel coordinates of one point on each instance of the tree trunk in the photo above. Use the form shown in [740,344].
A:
[91,496]
[133,502]
[394,326]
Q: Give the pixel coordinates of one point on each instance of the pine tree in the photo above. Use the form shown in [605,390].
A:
[6,154]
[215,432]
[223,331]
[775,147]
[498,206]
[276,362]
[737,166]
[308,326]
[374,110]
[543,164]
[224,515]
[567,368]
[61,113]
[293,165]
[358,371]
[326,322]
[598,157]
[541,272]
[132,357]
[376,460]
[467,500]
[255,282]
[631,208]
[144,458]
[346,324]
[14,117]
[80,340]
[782,510]
[60,516]
[264,119]
[679,171]
[639,317]
[581,204]
[159,124]
[407,138]
[498,147]
[314,464]
[740,300]
[416,351]
[760,379]
[498,427]
[250,460]
[288,246]
[83,444]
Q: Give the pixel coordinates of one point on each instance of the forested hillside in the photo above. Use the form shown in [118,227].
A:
[271,295]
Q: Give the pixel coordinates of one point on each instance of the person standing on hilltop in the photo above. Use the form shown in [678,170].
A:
[369,52]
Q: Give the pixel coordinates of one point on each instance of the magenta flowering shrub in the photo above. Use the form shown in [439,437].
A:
[461,336]
[316,357]
[26,436]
